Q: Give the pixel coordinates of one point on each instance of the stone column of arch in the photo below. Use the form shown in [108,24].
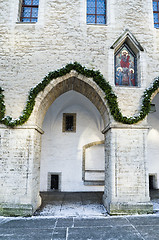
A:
[126,178]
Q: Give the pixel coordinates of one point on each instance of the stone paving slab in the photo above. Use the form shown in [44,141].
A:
[101,222]
[29,223]
[102,233]
[144,220]
[108,228]
[25,233]
[149,232]
[60,234]
[65,222]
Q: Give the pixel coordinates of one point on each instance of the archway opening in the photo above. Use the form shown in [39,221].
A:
[80,84]
[72,153]
[153,151]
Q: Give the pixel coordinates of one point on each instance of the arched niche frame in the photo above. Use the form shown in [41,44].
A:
[127,59]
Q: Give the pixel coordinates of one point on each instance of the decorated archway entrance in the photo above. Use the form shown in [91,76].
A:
[72,112]
[126,180]
[72,152]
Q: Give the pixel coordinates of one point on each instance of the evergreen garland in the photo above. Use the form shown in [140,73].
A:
[98,78]
[2,106]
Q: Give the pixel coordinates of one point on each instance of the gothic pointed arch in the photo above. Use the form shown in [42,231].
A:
[71,81]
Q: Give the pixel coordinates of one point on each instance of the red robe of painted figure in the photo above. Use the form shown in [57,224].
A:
[124,63]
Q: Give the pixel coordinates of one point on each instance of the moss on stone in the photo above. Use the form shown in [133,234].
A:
[130,209]
[14,210]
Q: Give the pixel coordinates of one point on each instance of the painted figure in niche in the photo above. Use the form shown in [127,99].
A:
[119,76]
[125,68]
[124,63]
[132,77]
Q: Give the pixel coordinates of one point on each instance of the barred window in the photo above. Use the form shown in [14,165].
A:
[29,11]
[96,11]
[156,13]
[69,122]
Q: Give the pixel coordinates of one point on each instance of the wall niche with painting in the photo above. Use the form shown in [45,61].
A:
[125,67]
[126,60]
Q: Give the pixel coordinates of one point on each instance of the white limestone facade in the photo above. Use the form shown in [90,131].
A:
[102,154]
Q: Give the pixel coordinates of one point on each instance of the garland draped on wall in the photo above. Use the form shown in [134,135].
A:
[101,82]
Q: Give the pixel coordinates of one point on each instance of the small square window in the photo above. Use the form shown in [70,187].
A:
[69,122]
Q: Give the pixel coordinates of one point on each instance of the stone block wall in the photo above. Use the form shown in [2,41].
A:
[126,170]
[19,178]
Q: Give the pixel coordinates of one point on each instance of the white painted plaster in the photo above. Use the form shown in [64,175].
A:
[153,141]
[62,151]
[95,158]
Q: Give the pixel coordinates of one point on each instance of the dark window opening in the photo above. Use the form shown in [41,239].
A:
[96,11]
[29,11]
[69,122]
[156,13]
[151,182]
[54,182]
